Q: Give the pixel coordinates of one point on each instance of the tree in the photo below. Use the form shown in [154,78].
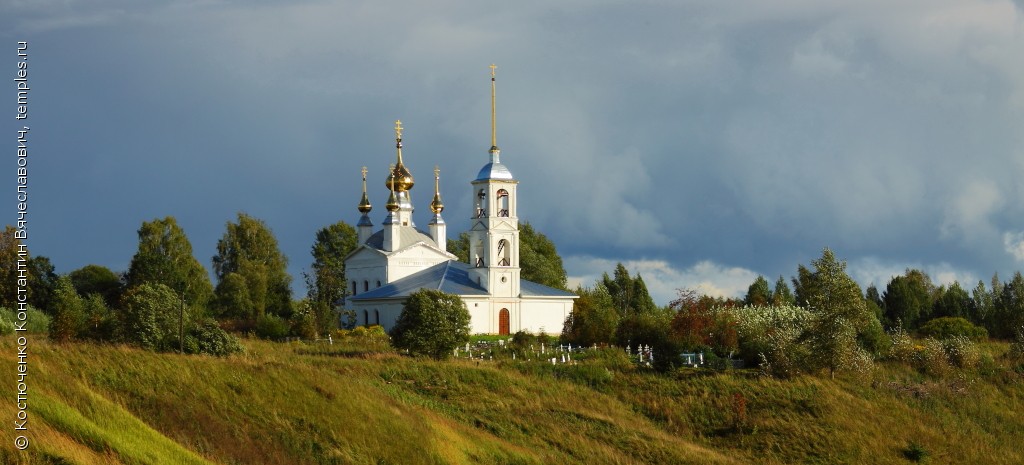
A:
[100,323]
[704,321]
[96,279]
[460,247]
[803,285]
[538,259]
[249,248]
[165,257]
[782,295]
[953,302]
[758,293]
[1009,308]
[150,316]
[908,298]
[629,295]
[68,312]
[234,299]
[982,304]
[875,304]
[326,284]
[9,248]
[42,281]
[593,319]
[839,314]
[432,323]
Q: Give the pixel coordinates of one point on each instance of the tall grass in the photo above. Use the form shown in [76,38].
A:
[351,403]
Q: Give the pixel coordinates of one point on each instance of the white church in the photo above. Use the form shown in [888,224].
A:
[393,262]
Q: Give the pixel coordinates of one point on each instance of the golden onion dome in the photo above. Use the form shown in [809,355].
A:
[364,204]
[392,204]
[435,205]
[400,179]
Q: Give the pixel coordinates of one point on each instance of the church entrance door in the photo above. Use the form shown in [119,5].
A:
[503,322]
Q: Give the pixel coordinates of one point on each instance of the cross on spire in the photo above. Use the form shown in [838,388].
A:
[398,129]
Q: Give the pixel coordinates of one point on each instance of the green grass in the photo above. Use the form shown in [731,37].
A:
[350,403]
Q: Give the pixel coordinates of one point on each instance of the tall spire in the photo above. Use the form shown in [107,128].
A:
[436,205]
[494,124]
[364,204]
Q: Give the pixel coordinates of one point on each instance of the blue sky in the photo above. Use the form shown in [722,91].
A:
[699,142]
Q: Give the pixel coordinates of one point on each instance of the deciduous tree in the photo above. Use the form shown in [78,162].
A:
[593,319]
[68,312]
[249,248]
[839,314]
[629,294]
[538,258]
[165,257]
[908,298]
[96,279]
[326,282]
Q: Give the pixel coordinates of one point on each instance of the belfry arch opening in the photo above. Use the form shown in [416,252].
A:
[503,203]
[481,204]
[504,253]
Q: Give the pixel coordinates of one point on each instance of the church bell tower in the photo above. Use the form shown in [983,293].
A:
[494,231]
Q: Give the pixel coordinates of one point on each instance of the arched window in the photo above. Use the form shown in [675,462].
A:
[503,322]
[504,253]
[378,283]
[353,288]
[366,286]
[481,204]
[366,318]
[376,317]
[503,203]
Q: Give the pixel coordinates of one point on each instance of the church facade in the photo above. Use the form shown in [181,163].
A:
[399,259]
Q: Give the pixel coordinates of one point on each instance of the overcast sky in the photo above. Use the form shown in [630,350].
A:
[701,143]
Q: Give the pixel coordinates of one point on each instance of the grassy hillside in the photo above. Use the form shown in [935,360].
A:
[285,404]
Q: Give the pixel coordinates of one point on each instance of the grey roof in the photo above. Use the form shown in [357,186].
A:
[494,170]
[407,235]
[449,276]
[532,289]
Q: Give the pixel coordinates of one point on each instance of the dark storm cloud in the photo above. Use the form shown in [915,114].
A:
[702,141]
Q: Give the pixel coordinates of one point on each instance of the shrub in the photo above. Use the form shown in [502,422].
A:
[149,318]
[6,327]
[962,352]
[211,339]
[35,320]
[271,327]
[873,338]
[769,335]
[947,327]
[916,452]
[932,358]
[432,323]
[902,348]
